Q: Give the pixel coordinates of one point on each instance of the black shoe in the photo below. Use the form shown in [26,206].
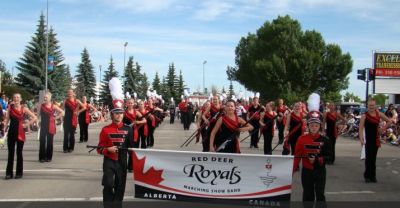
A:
[18,176]
[129,170]
[80,141]
[8,177]
[367,180]
[256,146]
[65,151]
[48,160]
[373,180]
[42,161]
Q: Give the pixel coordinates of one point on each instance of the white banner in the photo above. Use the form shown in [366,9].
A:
[189,176]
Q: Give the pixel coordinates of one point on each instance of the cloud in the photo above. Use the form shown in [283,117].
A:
[211,10]
[141,6]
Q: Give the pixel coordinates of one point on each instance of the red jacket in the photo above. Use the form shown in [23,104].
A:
[115,135]
[312,144]
[183,106]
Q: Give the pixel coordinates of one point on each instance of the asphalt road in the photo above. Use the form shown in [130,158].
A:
[77,176]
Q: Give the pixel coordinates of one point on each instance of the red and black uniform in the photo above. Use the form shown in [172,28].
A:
[84,121]
[372,143]
[129,119]
[114,164]
[295,131]
[143,129]
[215,113]
[203,132]
[47,131]
[313,176]
[268,131]
[228,135]
[331,131]
[254,116]
[16,135]
[184,110]
[151,125]
[281,122]
[69,124]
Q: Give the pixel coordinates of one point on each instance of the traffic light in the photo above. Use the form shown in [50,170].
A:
[372,74]
[361,74]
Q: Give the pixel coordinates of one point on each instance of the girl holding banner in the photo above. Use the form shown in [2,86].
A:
[228,127]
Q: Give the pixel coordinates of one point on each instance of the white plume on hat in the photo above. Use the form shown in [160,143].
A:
[313,102]
[241,95]
[135,95]
[127,95]
[256,95]
[116,89]
[186,93]
[148,93]
[182,97]
[234,98]
[172,99]
[224,95]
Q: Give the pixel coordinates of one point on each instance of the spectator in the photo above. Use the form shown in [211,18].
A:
[3,101]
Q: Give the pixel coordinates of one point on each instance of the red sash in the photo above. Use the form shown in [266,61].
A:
[214,108]
[50,113]
[333,118]
[232,125]
[87,115]
[374,120]
[144,126]
[132,118]
[72,105]
[19,115]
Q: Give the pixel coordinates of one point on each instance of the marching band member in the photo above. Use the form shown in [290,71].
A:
[201,125]
[369,136]
[253,117]
[267,123]
[281,120]
[48,127]
[214,112]
[229,127]
[330,119]
[313,150]
[16,134]
[152,121]
[294,123]
[70,121]
[112,140]
[84,119]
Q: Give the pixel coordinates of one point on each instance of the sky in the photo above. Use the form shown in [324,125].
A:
[189,32]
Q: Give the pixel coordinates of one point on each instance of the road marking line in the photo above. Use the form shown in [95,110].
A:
[61,199]
[58,170]
[349,192]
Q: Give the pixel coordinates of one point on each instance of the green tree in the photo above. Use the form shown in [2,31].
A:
[32,64]
[6,77]
[350,96]
[280,60]
[164,89]
[157,84]
[181,84]
[131,78]
[86,81]
[143,85]
[105,96]
[171,82]
[230,72]
[379,98]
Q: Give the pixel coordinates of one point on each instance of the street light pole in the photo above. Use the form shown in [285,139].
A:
[98,100]
[47,43]
[123,73]
[204,88]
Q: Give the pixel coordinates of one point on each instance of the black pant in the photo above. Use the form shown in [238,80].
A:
[83,131]
[205,140]
[371,150]
[332,139]
[150,136]
[46,145]
[114,181]
[281,128]
[293,142]
[186,120]
[11,141]
[69,137]
[313,182]
[171,118]
[268,136]
[254,133]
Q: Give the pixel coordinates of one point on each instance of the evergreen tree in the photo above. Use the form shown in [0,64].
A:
[86,81]
[223,90]
[131,77]
[171,83]
[231,91]
[164,89]
[6,79]
[32,64]
[181,84]
[143,85]
[157,84]
[105,96]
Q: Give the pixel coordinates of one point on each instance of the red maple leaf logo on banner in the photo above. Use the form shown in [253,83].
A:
[151,176]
